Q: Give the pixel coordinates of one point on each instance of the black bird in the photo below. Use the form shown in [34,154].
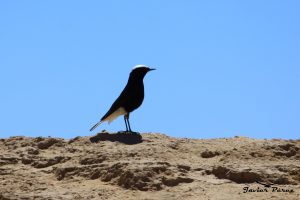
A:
[130,99]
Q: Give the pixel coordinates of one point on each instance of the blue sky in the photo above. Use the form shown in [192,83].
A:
[224,68]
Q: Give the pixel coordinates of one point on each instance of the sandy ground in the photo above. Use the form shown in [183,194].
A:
[148,166]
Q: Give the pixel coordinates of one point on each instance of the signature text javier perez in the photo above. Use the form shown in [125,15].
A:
[271,189]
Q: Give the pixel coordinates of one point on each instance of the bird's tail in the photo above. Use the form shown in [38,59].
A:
[95,126]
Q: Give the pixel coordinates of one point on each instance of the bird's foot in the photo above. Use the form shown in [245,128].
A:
[129,132]
[133,132]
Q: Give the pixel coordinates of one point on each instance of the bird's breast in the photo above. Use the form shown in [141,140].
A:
[135,97]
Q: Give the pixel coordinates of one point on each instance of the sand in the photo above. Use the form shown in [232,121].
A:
[148,166]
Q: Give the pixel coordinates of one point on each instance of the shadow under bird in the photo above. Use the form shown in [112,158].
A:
[130,99]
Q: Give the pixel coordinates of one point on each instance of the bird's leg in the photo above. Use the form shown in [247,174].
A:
[126,118]
[126,123]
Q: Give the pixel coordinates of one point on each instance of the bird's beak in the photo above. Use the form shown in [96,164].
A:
[151,69]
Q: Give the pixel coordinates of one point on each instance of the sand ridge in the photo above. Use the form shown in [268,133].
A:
[148,166]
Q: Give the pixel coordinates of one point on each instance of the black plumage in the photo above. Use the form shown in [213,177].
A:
[130,99]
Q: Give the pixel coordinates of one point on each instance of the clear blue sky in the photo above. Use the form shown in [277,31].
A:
[225,68]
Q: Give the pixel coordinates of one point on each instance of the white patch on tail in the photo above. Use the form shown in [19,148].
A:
[114,115]
[111,117]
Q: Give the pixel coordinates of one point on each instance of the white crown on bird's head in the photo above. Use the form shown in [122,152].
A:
[142,67]
[139,66]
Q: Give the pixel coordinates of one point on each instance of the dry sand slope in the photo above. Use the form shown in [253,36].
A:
[148,166]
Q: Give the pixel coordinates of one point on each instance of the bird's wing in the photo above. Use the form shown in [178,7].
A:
[116,105]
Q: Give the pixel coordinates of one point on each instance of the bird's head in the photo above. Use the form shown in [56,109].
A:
[140,71]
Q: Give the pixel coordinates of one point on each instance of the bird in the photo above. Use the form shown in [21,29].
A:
[130,98]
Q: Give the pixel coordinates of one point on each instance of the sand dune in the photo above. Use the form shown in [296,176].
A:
[148,166]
